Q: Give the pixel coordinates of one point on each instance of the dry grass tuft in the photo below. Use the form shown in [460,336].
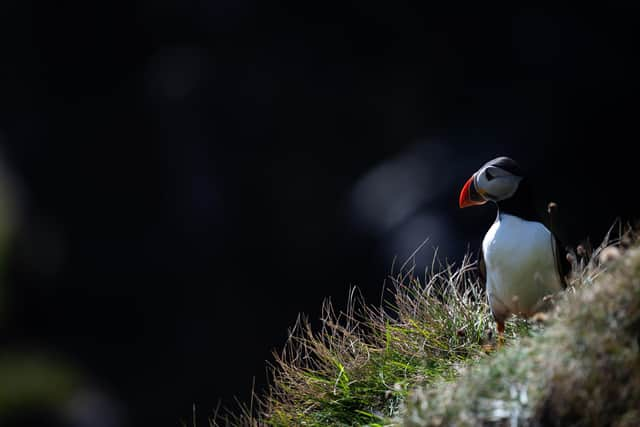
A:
[360,366]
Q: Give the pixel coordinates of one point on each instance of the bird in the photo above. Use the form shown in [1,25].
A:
[521,261]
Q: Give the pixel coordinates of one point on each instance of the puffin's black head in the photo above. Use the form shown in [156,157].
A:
[495,181]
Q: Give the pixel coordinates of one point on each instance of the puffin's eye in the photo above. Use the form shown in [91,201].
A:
[488,175]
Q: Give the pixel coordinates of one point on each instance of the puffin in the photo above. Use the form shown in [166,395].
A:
[521,262]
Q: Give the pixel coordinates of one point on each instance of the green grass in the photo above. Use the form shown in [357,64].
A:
[425,357]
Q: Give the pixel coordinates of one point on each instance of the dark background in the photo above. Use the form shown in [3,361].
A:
[188,176]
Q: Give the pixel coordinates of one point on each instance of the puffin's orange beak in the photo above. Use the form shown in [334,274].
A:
[469,196]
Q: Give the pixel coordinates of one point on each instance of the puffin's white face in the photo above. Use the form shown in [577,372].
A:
[495,184]
[495,181]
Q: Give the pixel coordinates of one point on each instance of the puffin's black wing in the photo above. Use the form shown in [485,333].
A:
[482,269]
[562,263]
[559,252]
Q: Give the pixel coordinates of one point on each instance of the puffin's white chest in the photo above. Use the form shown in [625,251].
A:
[520,266]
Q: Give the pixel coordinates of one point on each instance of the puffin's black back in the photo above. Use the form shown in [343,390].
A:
[521,204]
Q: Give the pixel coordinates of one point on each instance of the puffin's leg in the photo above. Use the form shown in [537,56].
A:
[500,325]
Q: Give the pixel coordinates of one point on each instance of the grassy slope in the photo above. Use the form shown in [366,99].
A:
[581,367]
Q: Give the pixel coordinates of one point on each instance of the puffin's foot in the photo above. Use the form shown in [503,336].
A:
[500,327]
[489,348]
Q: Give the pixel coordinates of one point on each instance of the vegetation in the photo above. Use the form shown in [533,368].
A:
[427,357]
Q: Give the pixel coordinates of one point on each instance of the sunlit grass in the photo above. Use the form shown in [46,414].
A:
[359,367]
